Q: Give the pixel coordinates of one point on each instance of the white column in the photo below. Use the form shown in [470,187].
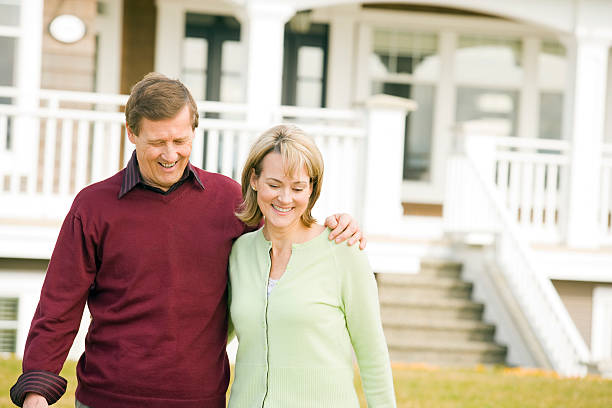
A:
[365,40]
[109,47]
[384,162]
[30,50]
[169,36]
[341,56]
[263,32]
[586,134]
[445,107]
[608,132]
[28,82]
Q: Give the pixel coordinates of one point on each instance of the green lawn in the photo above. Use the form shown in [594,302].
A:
[422,386]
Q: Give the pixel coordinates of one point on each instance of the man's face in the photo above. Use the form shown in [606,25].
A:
[163,148]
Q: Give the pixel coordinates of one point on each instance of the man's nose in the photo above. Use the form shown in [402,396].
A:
[170,153]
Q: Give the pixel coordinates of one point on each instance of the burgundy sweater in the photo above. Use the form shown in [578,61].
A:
[153,271]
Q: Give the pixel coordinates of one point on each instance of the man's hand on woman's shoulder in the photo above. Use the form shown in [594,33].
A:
[344,227]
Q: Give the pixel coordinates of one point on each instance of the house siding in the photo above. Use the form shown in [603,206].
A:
[138,56]
[578,299]
[69,66]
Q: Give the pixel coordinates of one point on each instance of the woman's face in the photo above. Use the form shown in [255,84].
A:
[281,198]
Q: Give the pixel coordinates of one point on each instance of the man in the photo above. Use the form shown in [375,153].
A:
[147,249]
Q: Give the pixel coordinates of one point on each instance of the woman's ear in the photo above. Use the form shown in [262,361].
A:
[253,179]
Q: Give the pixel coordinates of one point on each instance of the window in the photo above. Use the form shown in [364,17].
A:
[9,33]
[489,74]
[8,324]
[213,58]
[310,79]
[489,60]
[552,75]
[232,64]
[9,13]
[195,53]
[305,66]
[407,64]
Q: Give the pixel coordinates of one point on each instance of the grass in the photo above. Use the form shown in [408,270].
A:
[420,386]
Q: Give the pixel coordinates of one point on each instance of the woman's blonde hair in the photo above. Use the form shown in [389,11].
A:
[297,149]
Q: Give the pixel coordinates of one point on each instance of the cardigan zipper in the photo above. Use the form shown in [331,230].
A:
[263,402]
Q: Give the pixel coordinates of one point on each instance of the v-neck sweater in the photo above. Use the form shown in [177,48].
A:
[295,347]
[153,271]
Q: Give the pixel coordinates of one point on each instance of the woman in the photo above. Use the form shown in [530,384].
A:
[298,301]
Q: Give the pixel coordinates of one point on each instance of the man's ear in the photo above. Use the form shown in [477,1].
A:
[130,134]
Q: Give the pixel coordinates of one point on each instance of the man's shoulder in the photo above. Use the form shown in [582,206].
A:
[99,192]
[218,182]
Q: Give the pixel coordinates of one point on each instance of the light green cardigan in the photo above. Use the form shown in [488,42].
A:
[296,347]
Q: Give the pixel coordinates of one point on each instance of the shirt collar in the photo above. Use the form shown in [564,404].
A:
[132,176]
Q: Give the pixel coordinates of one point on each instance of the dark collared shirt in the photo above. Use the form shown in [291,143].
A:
[133,178]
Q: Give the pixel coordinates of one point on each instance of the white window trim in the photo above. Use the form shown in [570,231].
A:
[601,327]
[10,31]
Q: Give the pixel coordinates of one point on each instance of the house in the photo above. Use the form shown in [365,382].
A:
[476,131]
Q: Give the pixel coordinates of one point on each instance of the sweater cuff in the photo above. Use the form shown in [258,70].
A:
[49,385]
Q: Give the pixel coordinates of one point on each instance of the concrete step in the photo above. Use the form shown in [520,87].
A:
[449,353]
[397,287]
[404,331]
[441,268]
[430,309]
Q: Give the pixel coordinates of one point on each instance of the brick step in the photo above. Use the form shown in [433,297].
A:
[406,330]
[430,309]
[422,286]
[449,353]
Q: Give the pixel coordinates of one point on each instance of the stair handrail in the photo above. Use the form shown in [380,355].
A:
[541,304]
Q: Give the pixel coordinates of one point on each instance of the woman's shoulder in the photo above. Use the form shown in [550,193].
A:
[349,259]
[243,250]
[344,250]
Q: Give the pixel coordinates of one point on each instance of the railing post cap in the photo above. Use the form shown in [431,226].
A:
[383,101]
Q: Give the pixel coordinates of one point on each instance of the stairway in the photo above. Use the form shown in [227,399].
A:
[429,318]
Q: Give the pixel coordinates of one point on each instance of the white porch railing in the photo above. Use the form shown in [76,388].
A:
[78,138]
[476,201]
[530,176]
[605,213]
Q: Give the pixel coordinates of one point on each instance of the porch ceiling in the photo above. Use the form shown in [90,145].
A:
[558,15]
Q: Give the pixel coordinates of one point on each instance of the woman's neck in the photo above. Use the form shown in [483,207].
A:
[283,238]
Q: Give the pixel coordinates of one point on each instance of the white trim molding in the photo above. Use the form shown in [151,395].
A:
[601,331]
